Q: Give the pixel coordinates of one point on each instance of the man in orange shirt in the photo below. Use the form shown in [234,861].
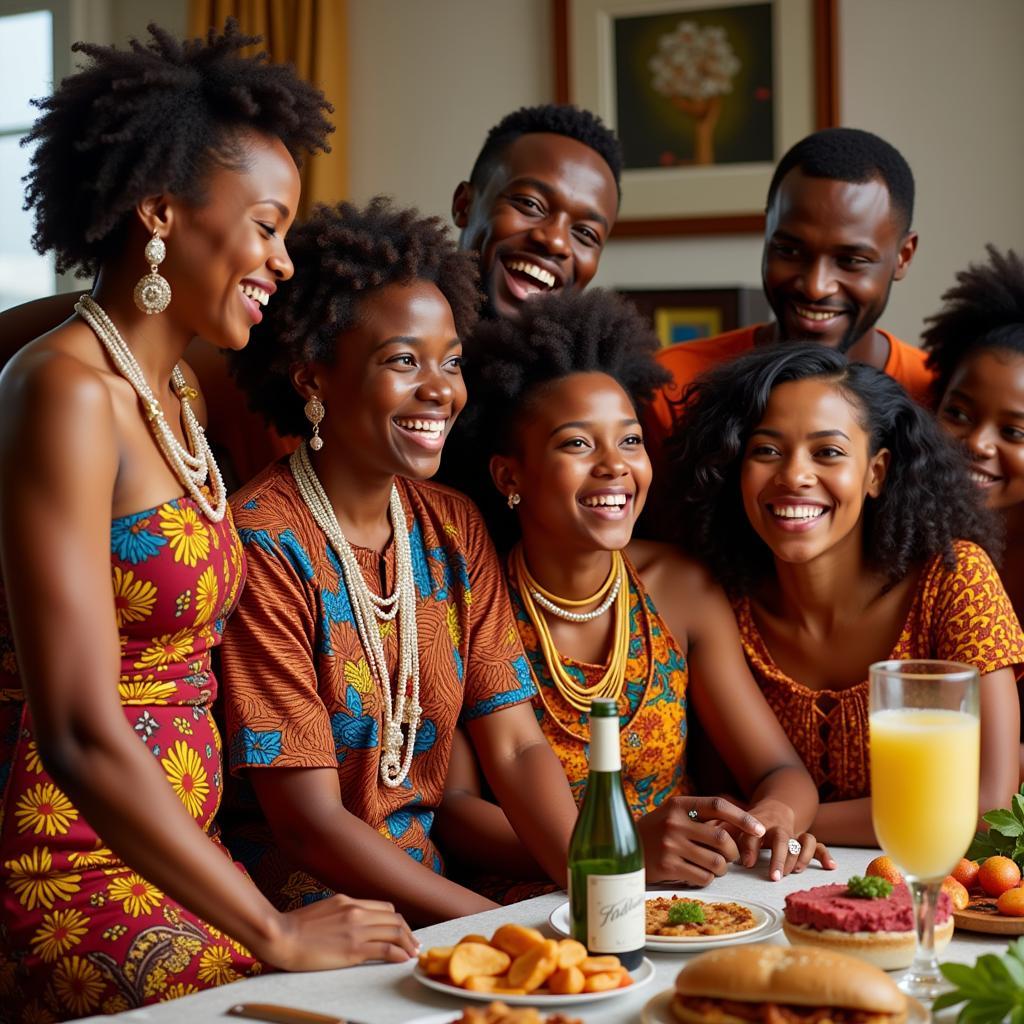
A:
[837,234]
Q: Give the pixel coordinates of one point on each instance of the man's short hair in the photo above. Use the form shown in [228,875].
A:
[556,119]
[855,156]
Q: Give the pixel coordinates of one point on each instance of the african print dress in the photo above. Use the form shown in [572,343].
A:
[959,614]
[652,706]
[83,933]
[299,692]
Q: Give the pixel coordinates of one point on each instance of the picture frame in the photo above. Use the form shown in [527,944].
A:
[691,314]
[787,88]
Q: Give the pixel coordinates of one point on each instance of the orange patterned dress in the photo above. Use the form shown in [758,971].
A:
[298,690]
[961,614]
[652,706]
[83,933]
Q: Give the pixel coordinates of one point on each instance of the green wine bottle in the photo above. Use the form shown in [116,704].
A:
[606,860]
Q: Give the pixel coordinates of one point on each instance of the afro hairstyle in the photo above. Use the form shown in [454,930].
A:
[854,156]
[508,365]
[927,501]
[149,119]
[556,119]
[983,310]
[341,255]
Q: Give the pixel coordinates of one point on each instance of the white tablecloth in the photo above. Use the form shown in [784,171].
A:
[388,994]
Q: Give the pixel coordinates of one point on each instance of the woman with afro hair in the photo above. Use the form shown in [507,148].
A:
[845,528]
[169,172]
[374,617]
[554,429]
[975,345]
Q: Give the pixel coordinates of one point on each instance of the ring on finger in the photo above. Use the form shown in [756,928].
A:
[795,847]
[692,814]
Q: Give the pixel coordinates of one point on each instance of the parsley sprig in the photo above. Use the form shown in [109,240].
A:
[991,990]
[869,887]
[686,912]
[1005,835]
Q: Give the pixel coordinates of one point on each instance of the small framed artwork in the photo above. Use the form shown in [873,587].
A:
[705,96]
[689,314]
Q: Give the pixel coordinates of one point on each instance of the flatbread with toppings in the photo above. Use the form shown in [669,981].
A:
[718,918]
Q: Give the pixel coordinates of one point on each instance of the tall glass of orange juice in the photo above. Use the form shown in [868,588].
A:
[925,758]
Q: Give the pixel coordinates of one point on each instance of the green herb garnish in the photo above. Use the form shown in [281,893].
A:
[869,888]
[1005,835]
[685,912]
[991,990]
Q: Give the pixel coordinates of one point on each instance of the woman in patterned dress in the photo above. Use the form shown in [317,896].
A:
[115,888]
[975,345]
[554,416]
[847,530]
[374,617]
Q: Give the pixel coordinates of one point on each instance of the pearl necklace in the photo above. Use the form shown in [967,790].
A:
[562,606]
[192,467]
[612,681]
[368,609]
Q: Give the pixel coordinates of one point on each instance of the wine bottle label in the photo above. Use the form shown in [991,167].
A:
[616,922]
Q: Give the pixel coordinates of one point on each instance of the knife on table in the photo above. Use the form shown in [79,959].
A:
[284,1014]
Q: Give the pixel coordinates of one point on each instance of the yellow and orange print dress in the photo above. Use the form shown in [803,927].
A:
[652,705]
[83,933]
[959,614]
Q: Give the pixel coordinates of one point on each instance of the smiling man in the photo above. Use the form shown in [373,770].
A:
[837,235]
[539,204]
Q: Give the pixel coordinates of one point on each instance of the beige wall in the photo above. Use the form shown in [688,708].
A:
[941,79]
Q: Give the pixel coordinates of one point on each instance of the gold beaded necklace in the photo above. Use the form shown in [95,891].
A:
[614,678]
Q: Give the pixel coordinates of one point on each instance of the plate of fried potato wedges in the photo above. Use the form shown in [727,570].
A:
[519,966]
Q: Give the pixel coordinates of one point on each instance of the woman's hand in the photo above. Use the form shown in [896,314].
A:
[339,932]
[692,839]
[778,819]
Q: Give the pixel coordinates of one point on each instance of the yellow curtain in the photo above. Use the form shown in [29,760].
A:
[312,35]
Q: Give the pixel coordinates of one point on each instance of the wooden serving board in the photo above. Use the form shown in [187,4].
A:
[981,916]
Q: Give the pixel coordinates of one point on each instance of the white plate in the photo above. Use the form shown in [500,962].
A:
[656,1010]
[437,1018]
[767,921]
[643,975]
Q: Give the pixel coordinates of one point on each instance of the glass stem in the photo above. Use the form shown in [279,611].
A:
[925,895]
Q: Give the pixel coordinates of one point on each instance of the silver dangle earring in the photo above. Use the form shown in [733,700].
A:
[314,411]
[514,499]
[153,293]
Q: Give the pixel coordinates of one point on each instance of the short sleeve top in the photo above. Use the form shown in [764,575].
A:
[298,689]
[959,614]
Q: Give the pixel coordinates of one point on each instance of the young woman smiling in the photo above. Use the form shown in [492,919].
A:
[374,617]
[169,172]
[975,346]
[555,400]
[847,531]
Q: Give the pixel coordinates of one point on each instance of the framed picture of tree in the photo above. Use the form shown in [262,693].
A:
[705,96]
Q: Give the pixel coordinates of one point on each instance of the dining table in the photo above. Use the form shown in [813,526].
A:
[379,993]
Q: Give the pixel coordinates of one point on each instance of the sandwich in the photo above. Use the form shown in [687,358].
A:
[758,983]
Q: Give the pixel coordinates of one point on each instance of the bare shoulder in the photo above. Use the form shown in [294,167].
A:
[662,566]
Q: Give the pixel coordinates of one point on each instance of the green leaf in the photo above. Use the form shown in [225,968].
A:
[948,998]
[1016,950]
[1017,1015]
[965,978]
[1017,806]
[1015,968]
[984,845]
[1005,822]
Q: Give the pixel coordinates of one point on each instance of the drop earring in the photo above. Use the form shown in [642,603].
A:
[153,293]
[314,411]
[514,499]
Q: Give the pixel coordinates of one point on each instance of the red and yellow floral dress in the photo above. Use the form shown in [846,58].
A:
[83,933]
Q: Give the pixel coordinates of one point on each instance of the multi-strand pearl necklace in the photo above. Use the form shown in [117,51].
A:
[192,467]
[611,682]
[368,609]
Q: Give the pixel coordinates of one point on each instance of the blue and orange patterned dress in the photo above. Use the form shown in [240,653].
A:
[82,932]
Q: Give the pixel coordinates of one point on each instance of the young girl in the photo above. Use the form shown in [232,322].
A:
[976,348]
[374,617]
[168,171]
[846,529]
[554,413]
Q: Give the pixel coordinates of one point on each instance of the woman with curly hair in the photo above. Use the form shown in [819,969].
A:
[169,172]
[553,418]
[846,530]
[374,617]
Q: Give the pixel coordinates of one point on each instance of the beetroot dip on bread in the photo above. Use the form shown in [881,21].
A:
[831,906]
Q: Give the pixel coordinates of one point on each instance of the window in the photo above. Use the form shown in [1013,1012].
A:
[27,44]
